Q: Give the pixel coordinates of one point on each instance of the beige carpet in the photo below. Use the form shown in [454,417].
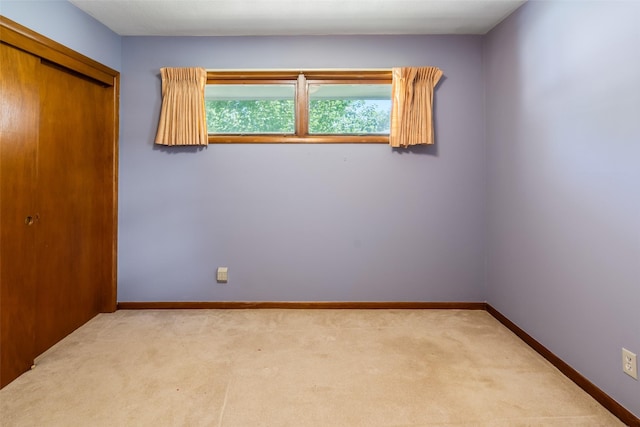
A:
[296,368]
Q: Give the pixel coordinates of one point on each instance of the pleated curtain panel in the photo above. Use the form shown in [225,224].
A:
[412,91]
[183,119]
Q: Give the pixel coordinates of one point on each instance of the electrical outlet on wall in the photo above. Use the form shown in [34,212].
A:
[629,363]
[222,275]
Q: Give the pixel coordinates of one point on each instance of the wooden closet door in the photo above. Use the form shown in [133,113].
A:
[19,107]
[75,174]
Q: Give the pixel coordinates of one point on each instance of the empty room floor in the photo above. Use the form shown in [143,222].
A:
[270,367]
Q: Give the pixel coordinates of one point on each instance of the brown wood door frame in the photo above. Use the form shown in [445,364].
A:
[20,37]
[23,297]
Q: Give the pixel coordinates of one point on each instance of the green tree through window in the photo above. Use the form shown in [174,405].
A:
[333,116]
[347,116]
[260,116]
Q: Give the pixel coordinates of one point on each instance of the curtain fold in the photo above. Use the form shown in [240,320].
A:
[412,91]
[183,119]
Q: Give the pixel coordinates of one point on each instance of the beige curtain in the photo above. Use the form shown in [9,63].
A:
[183,120]
[412,105]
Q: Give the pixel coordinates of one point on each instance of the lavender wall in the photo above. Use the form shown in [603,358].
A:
[63,22]
[363,222]
[303,222]
[563,135]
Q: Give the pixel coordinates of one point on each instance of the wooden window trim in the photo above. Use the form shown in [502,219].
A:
[301,79]
[302,106]
[293,75]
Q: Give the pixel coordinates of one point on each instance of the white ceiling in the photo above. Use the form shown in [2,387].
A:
[297,17]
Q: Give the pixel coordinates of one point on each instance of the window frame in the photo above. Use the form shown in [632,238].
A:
[301,79]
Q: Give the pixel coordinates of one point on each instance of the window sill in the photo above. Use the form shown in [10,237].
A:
[294,139]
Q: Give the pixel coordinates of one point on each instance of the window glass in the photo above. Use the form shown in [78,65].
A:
[349,108]
[298,106]
[250,108]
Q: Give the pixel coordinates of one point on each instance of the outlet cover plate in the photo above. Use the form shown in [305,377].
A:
[222,275]
[629,363]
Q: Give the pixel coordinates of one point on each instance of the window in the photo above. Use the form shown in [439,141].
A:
[298,107]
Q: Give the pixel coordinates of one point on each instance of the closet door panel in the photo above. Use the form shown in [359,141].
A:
[19,106]
[74,168]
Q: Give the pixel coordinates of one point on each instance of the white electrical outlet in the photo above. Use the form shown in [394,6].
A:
[222,275]
[629,363]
